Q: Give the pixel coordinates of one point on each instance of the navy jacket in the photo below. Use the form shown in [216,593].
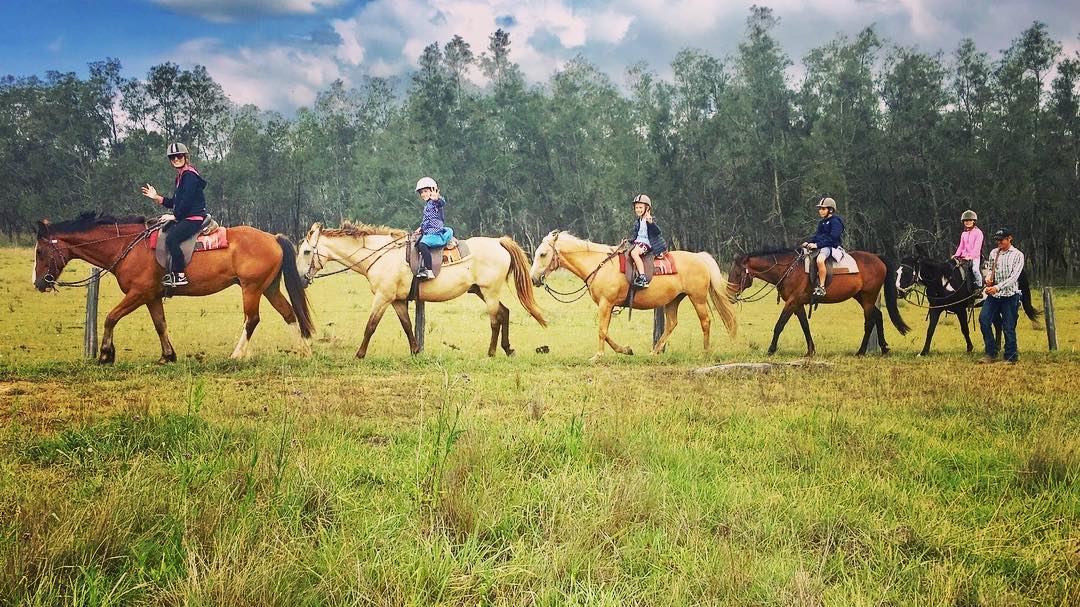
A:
[830,232]
[656,241]
[188,200]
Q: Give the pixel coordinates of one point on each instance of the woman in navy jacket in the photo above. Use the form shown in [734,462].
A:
[188,205]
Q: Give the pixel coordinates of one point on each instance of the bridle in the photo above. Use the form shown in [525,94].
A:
[54,253]
[311,275]
[556,263]
[766,288]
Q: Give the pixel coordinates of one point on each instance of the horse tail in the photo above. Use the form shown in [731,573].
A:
[1025,296]
[294,286]
[891,296]
[519,265]
[718,292]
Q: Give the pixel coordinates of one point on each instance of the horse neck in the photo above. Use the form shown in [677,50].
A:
[580,257]
[357,252]
[770,268]
[100,246]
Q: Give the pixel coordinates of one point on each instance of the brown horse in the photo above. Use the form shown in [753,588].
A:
[255,260]
[784,268]
[699,278]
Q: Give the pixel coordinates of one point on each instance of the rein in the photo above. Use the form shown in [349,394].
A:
[919,280]
[352,265]
[139,237]
[583,289]
[767,288]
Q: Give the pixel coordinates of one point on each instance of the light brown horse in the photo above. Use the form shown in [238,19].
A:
[378,253]
[255,260]
[784,268]
[699,278]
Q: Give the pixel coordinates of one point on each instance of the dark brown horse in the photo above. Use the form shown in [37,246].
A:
[784,269]
[255,260]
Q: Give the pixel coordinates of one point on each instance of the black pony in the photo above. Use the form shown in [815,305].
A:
[949,288]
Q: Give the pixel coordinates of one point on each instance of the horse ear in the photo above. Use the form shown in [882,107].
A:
[315,227]
[43,228]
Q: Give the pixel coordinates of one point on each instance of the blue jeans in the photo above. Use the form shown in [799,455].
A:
[1007,309]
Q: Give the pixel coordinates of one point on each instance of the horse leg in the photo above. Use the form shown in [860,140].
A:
[251,320]
[804,322]
[881,331]
[869,320]
[401,308]
[282,305]
[378,306]
[962,316]
[935,315]
[495,315]
[504,315]
[779,328]
[701,306]
[157,314]
[671,319]
[605,322]
[108,350]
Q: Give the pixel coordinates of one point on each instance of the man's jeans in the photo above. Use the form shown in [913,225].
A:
[1007,309]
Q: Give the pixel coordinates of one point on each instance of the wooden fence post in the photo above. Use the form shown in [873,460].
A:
[658,325]
[90,326]
[1048,311]
[418,324]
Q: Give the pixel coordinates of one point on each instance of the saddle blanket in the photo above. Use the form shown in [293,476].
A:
[844,265]
[662,266]
[218,239]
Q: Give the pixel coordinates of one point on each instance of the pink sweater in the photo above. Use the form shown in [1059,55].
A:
[971,242]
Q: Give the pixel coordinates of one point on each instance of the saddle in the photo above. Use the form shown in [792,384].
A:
[454,252]
[845,265]
[662,265]
[212,236]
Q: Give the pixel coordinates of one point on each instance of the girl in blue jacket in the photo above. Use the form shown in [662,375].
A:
[830,231]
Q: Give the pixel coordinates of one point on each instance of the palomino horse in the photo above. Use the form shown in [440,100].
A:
[255,260]
[378,253]
[699,277]
[949,288]
[784,268]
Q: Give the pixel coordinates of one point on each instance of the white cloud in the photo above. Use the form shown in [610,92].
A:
[271,77]
[386,37]
[231,10]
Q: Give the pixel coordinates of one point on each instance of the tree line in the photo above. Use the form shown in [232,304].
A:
[732,150]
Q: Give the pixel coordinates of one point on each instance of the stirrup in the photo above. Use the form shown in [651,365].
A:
[819,291]
[174,280]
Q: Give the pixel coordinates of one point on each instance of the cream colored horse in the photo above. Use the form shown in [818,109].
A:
[699,278]
[379,254]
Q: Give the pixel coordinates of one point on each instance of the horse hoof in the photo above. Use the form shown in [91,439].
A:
[628,351]
[510,352]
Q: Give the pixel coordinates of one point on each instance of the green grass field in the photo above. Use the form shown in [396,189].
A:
[543,479]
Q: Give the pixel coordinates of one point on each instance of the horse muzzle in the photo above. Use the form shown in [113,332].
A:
[45,283]
[538,280]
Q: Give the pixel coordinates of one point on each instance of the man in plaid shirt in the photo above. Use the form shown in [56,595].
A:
[1003,301]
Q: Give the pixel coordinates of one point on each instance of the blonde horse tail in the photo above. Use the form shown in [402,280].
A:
[718,292]
[519,265]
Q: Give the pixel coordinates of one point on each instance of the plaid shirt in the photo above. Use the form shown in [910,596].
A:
[432,223]
[1006,267]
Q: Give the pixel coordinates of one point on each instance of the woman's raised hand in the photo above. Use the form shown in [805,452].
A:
[149,191]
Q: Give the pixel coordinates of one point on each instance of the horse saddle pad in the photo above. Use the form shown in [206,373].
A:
[211,237]
[654,266]
[455,251]
[845,265]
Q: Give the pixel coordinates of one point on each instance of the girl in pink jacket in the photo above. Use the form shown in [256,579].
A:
[970,249]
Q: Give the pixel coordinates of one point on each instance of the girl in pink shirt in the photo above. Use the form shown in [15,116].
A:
[970,249]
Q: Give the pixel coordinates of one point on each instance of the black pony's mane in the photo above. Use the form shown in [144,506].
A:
[84,222]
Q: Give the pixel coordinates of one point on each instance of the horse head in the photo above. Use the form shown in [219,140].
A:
[739,277]
[545,259]
[308,254]
[49,259]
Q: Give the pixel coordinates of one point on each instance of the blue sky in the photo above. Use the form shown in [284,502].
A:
[279,53]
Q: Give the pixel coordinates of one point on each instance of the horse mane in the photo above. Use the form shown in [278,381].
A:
[564,234]
[84,222]
[358,230]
